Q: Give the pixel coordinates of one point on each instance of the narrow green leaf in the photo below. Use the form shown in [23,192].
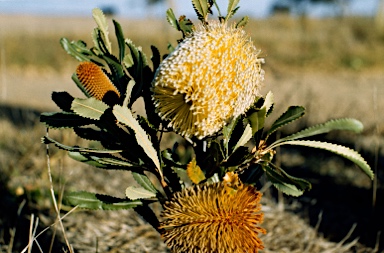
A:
[292,113]
[120,40]
[345,152]
[256,118]
[100,47]
[171,18]
[124,116]
[102,162]
[155,58]
[268,102]
[90,108]
[63,100]
[286,183]
[48,140]
[337,124]
[118,76]
[240,156]
[232,8]
[227,132]
[94,201]
[247,135]
[133,193]
[89,133]
[128,60]
[112,161]
[137,52]
[63,120]
[144,181]
[76,49]
[102,24]
[243,22]
[201,8]
[128,93]
[77,156]
[186,25]
[80,85]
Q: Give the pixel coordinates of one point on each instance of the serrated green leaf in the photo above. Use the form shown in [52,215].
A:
[238,157]
[128,60]
[63,100]
[286,183]
[112,161]
[124,116]
[133,193]
[155,58]
[232,8]
[171,18]
[128,93]
[201,8]
[80,85]
[336,124]
[90,108]
[256,119]
[77,156]
[137,53]
[118,75]
[103,162]
[63,120]
[76,49]
[144,181]
[186,25]
[137,69]
[247,135]
[243,22]
[48,140]
[100,47]
[102,24]
[120,40]
[268,102]
[89,133]
[227,132]
[94,201]
[293,113]
[345,152]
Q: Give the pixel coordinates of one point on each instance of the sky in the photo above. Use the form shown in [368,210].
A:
[137,8]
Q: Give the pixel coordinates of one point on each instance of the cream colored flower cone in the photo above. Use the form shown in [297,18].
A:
[211,77]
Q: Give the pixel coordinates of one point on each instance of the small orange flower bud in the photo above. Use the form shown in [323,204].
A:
[94,80]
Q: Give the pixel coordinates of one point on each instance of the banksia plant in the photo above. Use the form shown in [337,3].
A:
[207,90]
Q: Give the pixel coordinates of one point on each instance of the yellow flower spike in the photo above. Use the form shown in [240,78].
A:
[211,77]
[95,81]
[209,218]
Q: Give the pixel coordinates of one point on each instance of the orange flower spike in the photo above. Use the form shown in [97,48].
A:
[213,218]
[94,80]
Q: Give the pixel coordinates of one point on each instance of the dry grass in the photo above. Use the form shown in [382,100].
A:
[122,231]
[327,44]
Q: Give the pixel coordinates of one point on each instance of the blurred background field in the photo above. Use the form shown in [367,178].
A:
[332,66]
